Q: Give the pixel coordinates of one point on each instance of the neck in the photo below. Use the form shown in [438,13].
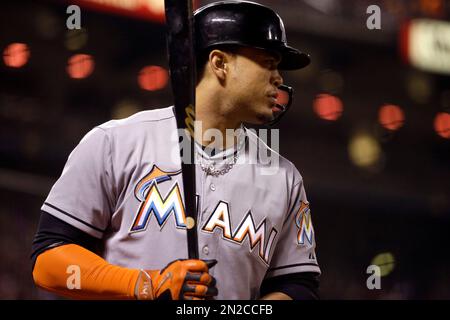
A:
[211,110]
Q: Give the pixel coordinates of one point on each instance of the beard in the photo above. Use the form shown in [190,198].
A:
[254,112]
[264,118]
[264,114]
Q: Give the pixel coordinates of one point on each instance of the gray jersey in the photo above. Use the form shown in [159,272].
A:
[123,185]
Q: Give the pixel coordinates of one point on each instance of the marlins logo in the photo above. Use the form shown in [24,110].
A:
[147,192]
[304,224]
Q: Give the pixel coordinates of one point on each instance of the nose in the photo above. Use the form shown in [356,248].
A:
[277,79]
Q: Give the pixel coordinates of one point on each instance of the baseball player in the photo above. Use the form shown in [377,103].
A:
[115,217]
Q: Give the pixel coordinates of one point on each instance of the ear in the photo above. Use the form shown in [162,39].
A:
[218,63]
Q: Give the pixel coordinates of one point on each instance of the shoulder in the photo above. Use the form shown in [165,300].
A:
[143,117]
[131,130]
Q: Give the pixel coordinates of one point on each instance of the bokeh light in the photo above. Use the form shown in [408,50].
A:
[16,55]
[385,261]
[442,124]
[364,150]
[124,108]
[80,66]
[419,87]
[391,117]
[75,39]
[153,78]
[328,107]
[47,24]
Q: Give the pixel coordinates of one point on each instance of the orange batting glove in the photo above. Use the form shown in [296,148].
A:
[179,280]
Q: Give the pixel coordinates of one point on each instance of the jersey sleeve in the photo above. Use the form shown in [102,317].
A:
[295,250]
[83,195]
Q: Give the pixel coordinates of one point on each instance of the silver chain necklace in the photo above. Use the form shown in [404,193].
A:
[212,171]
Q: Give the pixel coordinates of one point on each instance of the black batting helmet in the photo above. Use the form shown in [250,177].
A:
[248,24]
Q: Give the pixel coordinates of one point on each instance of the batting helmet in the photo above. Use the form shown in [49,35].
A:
[248,24]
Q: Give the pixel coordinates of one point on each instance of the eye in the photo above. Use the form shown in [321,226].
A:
[271,63]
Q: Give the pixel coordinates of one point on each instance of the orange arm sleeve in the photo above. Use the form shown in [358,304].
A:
[73,271]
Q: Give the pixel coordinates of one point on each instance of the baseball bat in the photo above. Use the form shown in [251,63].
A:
[180,44]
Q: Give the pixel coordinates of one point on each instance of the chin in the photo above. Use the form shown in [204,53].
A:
[259,117]
[262,119]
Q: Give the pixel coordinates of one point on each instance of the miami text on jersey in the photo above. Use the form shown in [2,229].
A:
[220,218]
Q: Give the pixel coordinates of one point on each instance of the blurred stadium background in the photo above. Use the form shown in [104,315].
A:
[369,129]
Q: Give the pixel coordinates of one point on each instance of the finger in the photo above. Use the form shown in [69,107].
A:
[192,298]
[200,278]
[199,290]
[187,288]
[195,265]
[210,263]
